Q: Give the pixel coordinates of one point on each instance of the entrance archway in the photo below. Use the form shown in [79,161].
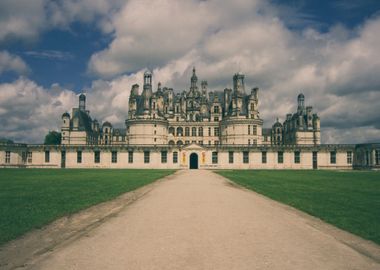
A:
[193,161]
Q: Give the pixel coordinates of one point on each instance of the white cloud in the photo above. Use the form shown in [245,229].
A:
[11,62]
[28,111]
[27,19]
[337,70]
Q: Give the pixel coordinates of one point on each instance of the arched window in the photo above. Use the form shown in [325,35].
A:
[187,131]
[194,131]
[171,142]
[171,130]
[179,143]
[179,131]
[200,131]
[216,109]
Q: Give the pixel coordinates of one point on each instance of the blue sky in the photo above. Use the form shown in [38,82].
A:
[52,50]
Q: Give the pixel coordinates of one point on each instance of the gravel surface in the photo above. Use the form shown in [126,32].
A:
[198,220]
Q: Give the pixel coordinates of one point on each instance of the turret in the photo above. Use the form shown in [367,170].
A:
[148,80]
[204,88]
[301,103]
[238,82]
[277,133]
[66,120]
[135,90]
[82,102]
[147,92]
[193,81]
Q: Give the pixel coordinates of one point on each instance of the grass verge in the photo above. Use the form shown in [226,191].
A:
[31,198]
[349,200]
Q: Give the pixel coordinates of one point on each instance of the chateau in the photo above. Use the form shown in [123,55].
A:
[193,129]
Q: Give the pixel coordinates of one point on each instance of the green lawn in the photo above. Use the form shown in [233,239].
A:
[347,199]
[31,198]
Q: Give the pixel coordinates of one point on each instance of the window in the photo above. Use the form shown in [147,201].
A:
[254,141]
[146,156]
[114,156]
[47,156]
[349,157]
[332,157]
[216,119]
[246,157]
[209,131]
[194,131]
[200,131]
[130,156]
[164,156]
[254,130]
[280,157]
[252,106]
[23,157]
[249,142]
[79,156]
[263,157]
[249,130]
[30,157]
[187,131]
[216,109]
[216,142]
[7,156]
[97,156]
[175,157]
[230,157]
[214,157]
[179,131]
[377,157]
[297,157]
[216,131]
[187,142]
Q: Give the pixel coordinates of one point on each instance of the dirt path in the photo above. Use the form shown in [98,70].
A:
[198,220]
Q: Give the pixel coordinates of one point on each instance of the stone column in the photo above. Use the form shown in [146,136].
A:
[373,157]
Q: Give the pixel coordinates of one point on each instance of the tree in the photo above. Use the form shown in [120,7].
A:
[6,141]
[53,138]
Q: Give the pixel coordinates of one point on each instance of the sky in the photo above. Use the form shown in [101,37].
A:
[51,50]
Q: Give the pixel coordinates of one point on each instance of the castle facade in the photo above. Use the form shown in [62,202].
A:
[196,128]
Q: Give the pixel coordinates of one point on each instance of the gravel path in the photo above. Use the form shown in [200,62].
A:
[198,220]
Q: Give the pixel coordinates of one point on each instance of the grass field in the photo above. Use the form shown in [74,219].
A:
[348,200]
[31,198]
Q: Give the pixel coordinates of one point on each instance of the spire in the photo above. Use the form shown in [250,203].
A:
[194,80]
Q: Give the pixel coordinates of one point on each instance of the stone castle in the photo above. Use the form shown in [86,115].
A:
[192,129]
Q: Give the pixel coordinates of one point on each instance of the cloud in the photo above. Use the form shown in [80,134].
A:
[337,69]
[29,111]
[26,19]
[11,62]
[51,55]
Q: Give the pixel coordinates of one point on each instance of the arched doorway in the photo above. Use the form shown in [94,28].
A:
[193,161]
